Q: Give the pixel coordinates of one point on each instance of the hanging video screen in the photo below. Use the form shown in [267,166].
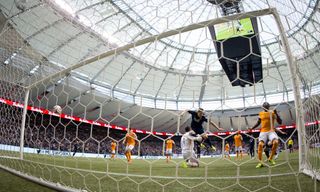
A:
[233,29]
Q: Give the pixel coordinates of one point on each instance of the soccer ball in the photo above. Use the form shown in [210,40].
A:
[57,109]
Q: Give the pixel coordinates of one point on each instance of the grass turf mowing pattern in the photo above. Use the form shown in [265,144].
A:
[96,174]
[12,183]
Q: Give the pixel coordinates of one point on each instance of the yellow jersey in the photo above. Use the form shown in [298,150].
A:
[113,146]
[227,147]
[170,143]
[267,122]
[238,140]
[290,142]
[130,138]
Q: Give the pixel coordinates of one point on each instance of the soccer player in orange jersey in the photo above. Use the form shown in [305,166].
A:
[267,133]
[169,146]
[130,141]
[238,145]
[113,149]
[227,150]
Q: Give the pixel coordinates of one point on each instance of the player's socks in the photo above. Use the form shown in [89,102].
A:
[127,156]
[129,160]
[213,148]
[130,156]
[274,149]
[198,151]
[260,148]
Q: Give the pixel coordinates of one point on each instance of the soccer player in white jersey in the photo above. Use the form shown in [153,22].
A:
[187,145]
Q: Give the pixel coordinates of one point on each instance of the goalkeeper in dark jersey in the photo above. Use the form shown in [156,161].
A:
[197,119]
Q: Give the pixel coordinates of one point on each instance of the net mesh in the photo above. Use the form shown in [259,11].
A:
[125,84]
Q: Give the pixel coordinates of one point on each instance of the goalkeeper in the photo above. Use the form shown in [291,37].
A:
[187,145]
[197,119]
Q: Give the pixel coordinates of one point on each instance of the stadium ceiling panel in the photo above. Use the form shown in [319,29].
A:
[181,68]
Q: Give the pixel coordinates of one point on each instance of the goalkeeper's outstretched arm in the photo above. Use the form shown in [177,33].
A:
[194,138]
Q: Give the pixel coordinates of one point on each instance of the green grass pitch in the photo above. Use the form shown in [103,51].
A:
[96,174]
[12,183]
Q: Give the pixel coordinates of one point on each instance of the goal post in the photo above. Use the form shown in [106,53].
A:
[292,67]
[23,123]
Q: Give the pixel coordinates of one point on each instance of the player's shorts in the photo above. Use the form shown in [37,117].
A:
[129,147]
[268,136]
[198,131]
[290,146]
[190,155]
[226,152]
[238,148]
[169,152]
[113,152]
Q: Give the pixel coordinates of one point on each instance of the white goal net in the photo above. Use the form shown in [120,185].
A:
[109,70]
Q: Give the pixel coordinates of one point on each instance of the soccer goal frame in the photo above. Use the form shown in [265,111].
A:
[292,67]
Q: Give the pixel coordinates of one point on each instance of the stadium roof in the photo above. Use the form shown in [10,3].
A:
[177,72]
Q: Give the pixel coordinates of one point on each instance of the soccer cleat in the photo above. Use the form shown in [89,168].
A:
[213,148]
[272,162]
[259,165]
[184,165]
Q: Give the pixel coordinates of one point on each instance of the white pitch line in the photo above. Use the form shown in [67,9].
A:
[155,177]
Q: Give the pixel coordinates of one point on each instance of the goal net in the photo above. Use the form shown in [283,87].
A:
[109,70]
